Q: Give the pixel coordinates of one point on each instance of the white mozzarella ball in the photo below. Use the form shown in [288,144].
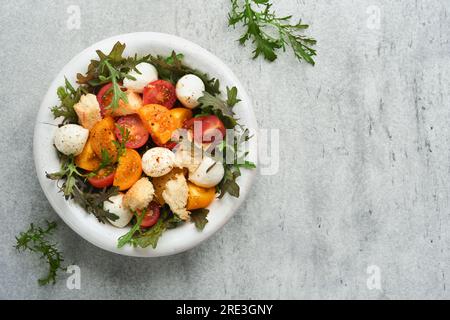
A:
[189,89]
[115,206]
[208,174]
[70,139]
[157,162]
[148,74]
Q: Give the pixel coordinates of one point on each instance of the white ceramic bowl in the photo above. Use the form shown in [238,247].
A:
[104,235]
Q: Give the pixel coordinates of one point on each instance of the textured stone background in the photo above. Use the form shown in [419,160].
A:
[364,162]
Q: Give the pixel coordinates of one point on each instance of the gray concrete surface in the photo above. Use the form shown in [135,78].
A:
[364,162]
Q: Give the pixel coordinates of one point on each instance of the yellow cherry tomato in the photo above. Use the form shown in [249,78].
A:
[199,197]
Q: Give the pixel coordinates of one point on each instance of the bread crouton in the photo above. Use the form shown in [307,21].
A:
[140,195]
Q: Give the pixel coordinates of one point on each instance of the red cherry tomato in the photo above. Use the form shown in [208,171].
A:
[138,134]
[207,128]
[152,214]
[169,145]
[160,92]
[102,97]
[103,179]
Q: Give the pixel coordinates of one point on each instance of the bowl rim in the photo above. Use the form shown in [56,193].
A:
[86,233]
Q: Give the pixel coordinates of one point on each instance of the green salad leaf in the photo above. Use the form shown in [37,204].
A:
[92,200]
[128,237]
[35,239]
[122,144]
[199,217]
[68,97]
[98,71]
[171,68]
[68,175]
[110,68]
[114,77]
[74,186]
[150,237]
[235,160]
[210,104]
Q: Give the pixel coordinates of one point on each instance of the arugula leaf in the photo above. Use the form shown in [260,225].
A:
[35,240]
[67,174]
[116,54]
[96,68]
[68,97]
[260,23]
[110,68]
[150,237]
[235,160]
[125,137]
[92,200]
[247,165]
[232,98]
[171,68]
[74,186]
[114,77]
[127,238]
[228,183]
[223,109]
[208,100]
[199,217]
[106,161]
[171,59]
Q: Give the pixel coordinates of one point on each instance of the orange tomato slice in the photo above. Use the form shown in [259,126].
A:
[103,137]
[157,121]
[87,159]
[129,170]
[199,197]
[180,116]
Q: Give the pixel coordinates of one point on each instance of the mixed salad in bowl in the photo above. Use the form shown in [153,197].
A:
[147,143]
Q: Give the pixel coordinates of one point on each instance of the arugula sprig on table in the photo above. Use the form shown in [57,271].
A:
[35,239]
[269,32]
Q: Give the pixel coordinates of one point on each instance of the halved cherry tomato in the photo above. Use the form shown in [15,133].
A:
[157,121]
[152,214]
[102,138]
[206,128]
[138,135]
[103,179]
[160,92]
[179,116]
[129,170]
[104,99]
[199,197]
[169,145]
[87,159]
